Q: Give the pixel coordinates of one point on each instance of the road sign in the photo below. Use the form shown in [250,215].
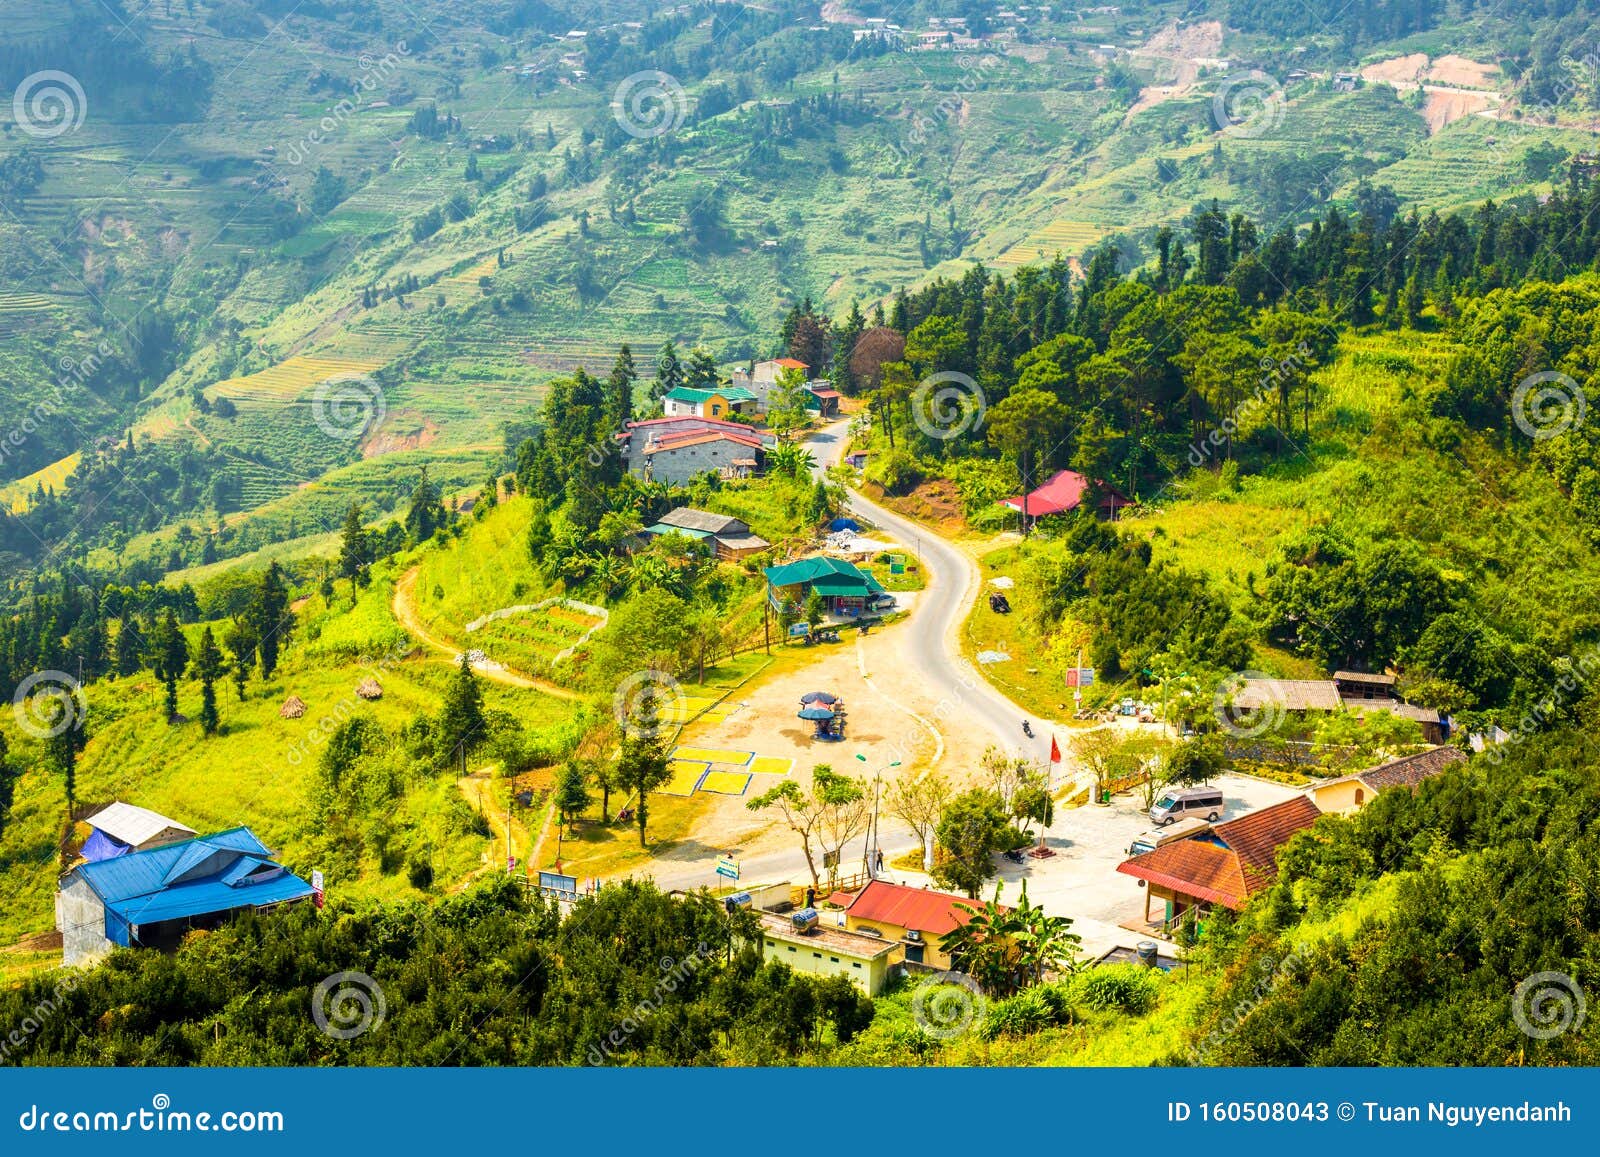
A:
[316,879]
[728,867]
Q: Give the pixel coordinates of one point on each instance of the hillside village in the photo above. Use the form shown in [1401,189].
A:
[809,534]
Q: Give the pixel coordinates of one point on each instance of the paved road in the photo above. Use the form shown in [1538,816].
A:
[933,644]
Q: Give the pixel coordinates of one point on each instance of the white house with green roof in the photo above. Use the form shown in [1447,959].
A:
[686,402]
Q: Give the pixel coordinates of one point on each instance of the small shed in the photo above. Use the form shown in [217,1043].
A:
[293,707]
[120,828]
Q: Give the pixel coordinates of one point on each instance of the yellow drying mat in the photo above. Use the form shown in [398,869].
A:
[726,782]
[714,755]
[685,777]
[771,765]
[682,710]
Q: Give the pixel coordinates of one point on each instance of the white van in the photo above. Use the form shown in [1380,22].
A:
[1151,840]
[1180,803]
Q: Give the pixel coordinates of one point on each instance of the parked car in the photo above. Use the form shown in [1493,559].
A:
[1180,803]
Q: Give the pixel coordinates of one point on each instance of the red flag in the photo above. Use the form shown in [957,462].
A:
[1055,751]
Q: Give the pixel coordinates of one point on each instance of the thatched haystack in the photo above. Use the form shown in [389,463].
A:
[293,707]
[369,688]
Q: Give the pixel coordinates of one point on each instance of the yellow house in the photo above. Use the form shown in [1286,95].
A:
[1349,792]
[821,951]
[915,919]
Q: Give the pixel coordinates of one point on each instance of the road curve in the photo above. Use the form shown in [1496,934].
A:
[933,643]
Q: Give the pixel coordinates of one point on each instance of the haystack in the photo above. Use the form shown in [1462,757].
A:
[369,688]
[293,707]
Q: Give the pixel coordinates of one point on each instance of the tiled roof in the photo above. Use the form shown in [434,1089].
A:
[699,438]
[1411,769]
[921,908]
[1193,867]
[1257,836]
[1289,694]
[688,518]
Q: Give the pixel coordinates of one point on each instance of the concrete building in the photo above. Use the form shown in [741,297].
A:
[763,376]
[1349,793]
[636,439]
[867,961]
[915,919]
[151,898]
[684,402]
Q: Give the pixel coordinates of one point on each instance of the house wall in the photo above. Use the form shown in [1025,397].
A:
[933,952]
[81,920]
[678,465]
[1340,797]
[818,959]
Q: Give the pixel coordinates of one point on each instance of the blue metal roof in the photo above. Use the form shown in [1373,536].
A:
[205,896]
[215,873]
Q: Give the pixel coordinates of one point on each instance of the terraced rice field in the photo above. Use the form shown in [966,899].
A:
[288,379]
[1068,238]
[15,495]
[529,642]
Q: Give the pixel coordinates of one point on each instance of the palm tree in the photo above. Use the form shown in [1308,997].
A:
[790,459]
[1008,949]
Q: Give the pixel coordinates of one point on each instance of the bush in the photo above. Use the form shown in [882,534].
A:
[897,472]
[1129,988]
[1028,1012]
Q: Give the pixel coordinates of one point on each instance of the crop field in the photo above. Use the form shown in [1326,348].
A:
[531,640]
[16,495]
[288,380]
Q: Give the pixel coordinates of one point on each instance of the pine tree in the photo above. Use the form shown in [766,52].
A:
[208,665]
[669,370]
[355,549]
[241,644]
[572,791]
[426,512]
[702,369]
[619,389]
[129,647]
[643,765]
[269,618]
[461,724]
[171,657]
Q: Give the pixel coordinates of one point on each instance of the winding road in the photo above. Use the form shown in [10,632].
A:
[933,635]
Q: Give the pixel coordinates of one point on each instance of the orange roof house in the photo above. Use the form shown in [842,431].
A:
[1225,864]
[918,917]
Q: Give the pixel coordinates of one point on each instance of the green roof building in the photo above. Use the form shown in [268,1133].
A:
[844,587]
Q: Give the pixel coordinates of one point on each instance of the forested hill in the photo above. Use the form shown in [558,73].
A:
[460,201]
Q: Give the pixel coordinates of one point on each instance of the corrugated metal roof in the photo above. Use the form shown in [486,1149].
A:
[215,873]
[204,896]
[133,825]
[919,908]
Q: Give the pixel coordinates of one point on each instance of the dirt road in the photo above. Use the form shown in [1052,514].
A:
[404,606]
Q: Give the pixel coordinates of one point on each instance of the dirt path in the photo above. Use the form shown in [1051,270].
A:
[404,606]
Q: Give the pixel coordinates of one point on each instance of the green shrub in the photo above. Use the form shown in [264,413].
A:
[1129,988]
